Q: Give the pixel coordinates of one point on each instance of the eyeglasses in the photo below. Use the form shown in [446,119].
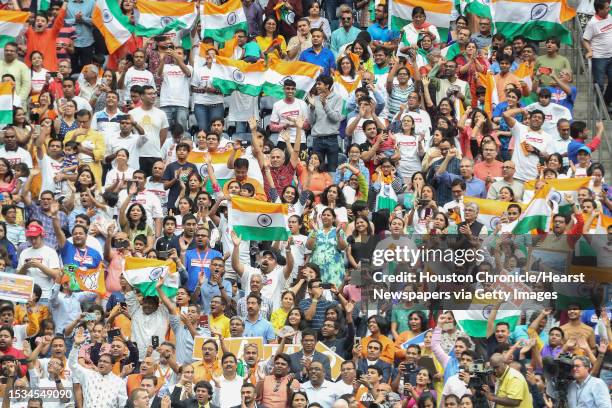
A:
[507,167]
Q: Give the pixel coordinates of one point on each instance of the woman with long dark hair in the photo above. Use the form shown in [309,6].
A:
[361,242]
[133,220]
[270,41]
[327,245]
[333,197]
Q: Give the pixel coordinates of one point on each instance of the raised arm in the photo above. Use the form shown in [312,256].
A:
[236,264]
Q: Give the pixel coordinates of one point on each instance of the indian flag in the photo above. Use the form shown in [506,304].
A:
[438,13]
[490,211]
[386,198]
[537,214]
[253,219]
[6,103]
[159,17]
[11,25]
[232,75]
[534,19]
[491,96]
[451,51]
[221,22]
[43,5]
[481,8]
[144,273]
[474,320]
[344,87]
[303,73]
[559,188]
[219,163]
[112,23]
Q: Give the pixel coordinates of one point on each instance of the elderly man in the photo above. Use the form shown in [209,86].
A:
[10,64]
[89,82]
[471,226]
[508,180]
[318,388]
[511,389]
[586,390]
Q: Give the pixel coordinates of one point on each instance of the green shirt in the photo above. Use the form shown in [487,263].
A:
[556,63]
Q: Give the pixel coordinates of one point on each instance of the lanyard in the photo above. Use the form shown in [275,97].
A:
[579,392]
[82,257]
[202,259]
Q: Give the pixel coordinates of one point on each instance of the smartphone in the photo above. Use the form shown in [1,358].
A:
[184,309]
[357,342]
[90,317]
[113,333]
[203,321]
[545,70]
[123,304]
[155,341]
[53,74]
[428,212]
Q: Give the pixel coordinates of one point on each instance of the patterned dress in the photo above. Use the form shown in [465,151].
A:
[327,256]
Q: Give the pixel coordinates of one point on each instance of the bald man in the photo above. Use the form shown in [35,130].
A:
[511,387]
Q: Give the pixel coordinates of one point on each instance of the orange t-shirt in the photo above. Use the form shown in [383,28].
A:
[45,42]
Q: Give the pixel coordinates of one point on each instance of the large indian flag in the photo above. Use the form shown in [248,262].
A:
[221,22]
[112,23]
[490,211]
[232,75]
[474,320]
[438,13]
[6,103]
[11,24]
[144,273]
[537,214]
[559,188]
[159,17]
[303,73]
[253,219]
[534,19]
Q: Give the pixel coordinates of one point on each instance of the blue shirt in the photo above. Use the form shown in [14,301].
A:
[84,259]
[325,59]
[84,28]
[198,262]
[208,291]
[558,96]
[592,393]
[384,34]
[261,328]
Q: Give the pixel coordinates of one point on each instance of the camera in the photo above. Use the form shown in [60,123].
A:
[423,203]
[478,375]
[558,374]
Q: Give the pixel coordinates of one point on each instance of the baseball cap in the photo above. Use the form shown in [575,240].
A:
[34,230]
[271,253]
[585,149]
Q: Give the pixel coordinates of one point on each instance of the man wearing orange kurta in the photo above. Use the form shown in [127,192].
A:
[43,39]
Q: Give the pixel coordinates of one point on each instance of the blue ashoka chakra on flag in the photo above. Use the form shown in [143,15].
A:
[264,220]
[494,222]
[290,17]
[539,11]
[231,18]
[156,273]
[238,76]
[204,170]
[555,196]
[486,311]
[107,16]
[166,20]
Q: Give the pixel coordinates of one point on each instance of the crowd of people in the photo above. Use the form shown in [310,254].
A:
[396,136]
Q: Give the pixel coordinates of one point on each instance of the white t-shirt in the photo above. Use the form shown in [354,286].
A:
[599,32]
[157,188]
[149,201]
[408,146]
[283,110]
[422,123]
[526,164]
[115,142]
[175,86]
[20,155]
[46,256]
[82,103]
[228,248]
[359,135]
[135,76]
[298,251]
[201,78]
[39,79]
[272,286]
[152,121]
[48,168]
[114,175]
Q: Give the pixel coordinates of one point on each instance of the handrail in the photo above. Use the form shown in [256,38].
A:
[595,98]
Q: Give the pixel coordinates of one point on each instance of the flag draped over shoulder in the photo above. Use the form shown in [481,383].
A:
[303,73]
[112,23]
[232,75]
[220,22]
[6,103]
[438,13]
[160,17]
[144,273]
[534,19]
[537,214]
[253,219]
[11,25]
[344,88]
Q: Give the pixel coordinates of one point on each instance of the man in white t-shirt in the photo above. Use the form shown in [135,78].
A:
[285,111]
[50,164]
[275,276]
[553,112]
[596,40]
[11,151]
[155,124]
[530,143]
[354,126]
[136,74]
[39,261]
[174,92]
[207,100]
[125,139]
